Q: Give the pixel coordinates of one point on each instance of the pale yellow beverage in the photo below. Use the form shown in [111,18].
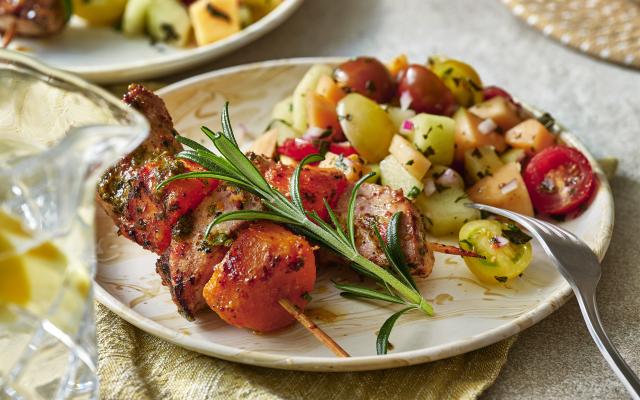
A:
[58,134]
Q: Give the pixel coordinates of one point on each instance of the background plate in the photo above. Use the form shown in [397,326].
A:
[104,55]
[468,314]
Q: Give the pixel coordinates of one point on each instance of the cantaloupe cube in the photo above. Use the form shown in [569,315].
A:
[329,89]
[530,136]
[214,19]
[411,159]
[468,136]
[398,63]
[500,110]
[321,113]
[504,189]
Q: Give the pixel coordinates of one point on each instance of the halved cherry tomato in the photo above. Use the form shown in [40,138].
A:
[300,148]
[559,180]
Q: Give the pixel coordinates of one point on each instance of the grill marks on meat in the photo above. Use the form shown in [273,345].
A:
[127,191]
[265,263]
[377,204]
[32,17]
[187,264]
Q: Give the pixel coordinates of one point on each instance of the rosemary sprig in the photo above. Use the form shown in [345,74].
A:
[235,168]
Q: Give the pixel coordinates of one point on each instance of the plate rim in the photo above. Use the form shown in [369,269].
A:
[191,57]
[361,363]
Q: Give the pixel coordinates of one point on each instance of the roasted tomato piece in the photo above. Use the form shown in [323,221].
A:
[265,263]
[315,184]
[559,180]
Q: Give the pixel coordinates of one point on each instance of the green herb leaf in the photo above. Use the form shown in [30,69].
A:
[363,292]
[395,248]
[191,143]
[226,124]
[515,235]
[294,182]
[382,343]
[396,266]
[248,215]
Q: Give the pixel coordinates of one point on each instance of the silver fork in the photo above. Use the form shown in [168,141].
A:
[580,267]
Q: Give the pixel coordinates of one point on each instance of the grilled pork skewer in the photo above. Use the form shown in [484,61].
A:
[171,222]
[34,18]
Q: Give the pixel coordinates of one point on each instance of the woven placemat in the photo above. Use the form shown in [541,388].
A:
[606,29]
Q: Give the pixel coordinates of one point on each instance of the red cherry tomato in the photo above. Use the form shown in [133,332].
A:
[300,148]
[425,92]
[490,92]
[559,180]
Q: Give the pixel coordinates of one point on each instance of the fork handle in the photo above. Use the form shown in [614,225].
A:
[587,303]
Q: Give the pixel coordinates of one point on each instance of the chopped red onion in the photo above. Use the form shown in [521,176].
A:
[500,241]
[405,100]
[487,126]
[429,187]
[313,132]
[448,177]
[508,187]
[406,127]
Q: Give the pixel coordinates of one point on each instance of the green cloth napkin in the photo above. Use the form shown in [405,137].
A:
[134,365]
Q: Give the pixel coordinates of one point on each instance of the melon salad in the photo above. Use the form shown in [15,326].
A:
[436,133]
[175,22]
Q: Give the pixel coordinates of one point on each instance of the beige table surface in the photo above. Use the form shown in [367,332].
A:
[600,102]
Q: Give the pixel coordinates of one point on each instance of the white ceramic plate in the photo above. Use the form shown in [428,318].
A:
[468,314]
[104,55]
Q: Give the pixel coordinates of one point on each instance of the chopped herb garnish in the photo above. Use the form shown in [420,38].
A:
[429,151]
[515,234]
[326,133]
[215,12]
[459,198]
[169,33]
[440,188]
[501,279]
[306,296]
[474,85]
[547,120]
[413,193]
[410,162]
[466,245]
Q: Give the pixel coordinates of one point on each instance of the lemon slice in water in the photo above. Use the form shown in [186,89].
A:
[31,271]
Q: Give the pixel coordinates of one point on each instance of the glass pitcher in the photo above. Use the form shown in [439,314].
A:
[57,134]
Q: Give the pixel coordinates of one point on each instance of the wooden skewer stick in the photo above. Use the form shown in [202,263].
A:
[447,249]
[313,328]
[10,32]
